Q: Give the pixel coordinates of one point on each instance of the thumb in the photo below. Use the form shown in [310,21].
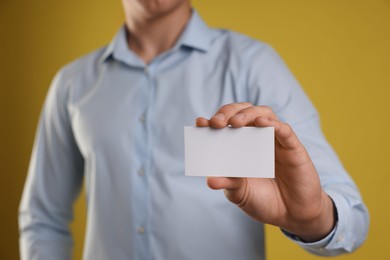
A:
[234,188]
[217,183]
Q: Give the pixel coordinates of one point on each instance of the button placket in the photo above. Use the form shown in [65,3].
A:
[141,172]
[141,230]
[142,198]
[142,118]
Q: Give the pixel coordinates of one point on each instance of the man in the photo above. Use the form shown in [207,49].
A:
[116,118]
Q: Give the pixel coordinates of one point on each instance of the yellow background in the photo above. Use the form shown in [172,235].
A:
[338,49]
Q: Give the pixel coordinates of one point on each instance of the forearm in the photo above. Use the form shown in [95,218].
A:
[38,242]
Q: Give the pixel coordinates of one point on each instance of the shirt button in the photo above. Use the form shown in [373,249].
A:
[142,118]
[141,230]
[141,172]
[340,238]
[146,70]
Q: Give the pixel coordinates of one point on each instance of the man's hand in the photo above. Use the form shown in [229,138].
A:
[294,200]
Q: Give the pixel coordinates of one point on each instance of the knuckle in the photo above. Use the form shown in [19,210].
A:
[245,103]
[288,127]
[264,111]
[234,107]
[242,105]
[268,109]
[288,130]
[224,109]
[250,109]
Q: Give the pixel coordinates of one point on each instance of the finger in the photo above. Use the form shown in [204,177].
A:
[202,122]
[222,116]
[247,116]
[283,132]
[217,183]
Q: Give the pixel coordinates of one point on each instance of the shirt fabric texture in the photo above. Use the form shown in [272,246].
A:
[116,123]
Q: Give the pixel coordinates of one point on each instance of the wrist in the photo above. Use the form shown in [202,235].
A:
[318,227]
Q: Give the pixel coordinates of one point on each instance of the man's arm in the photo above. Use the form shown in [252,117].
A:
[312,196]
[53,182]
[294,200]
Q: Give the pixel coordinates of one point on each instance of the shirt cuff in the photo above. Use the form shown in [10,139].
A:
[336,240]
[317,245]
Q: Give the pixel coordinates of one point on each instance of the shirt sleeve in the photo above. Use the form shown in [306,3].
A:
[53,182]
[271,83]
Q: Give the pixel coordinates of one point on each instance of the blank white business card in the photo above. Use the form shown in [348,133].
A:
[229,152]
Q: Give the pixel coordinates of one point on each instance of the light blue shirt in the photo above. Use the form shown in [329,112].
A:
[116,123]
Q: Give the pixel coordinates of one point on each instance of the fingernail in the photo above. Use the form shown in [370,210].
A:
[239,116]
[219,117]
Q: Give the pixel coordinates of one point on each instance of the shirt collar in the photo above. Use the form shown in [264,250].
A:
[196,35]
